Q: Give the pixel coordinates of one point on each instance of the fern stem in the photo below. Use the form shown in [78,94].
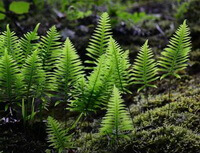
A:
[169,95]
[76,122]
[147,101]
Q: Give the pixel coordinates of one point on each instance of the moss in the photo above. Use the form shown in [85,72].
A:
[184,113]
[169,139]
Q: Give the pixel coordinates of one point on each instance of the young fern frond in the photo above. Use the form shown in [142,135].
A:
[145,68]
[10,79]
[27,42]
[175,56]
[69,69]
[117,119]
[11,44]
[120,64]
[57,136]
[33,76]
[50,48]
[91,96]
[100,38]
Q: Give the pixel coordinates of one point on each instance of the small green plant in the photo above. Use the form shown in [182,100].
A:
[144,69]
[120,65]
[90,97]
[99,41]
[33,76]
[181,9]
[174,58]
[28,118]
[57,136]
[11,43]
[69,70]
[50,49]
[10,80]
[136,17]
[116,120]
[27,42]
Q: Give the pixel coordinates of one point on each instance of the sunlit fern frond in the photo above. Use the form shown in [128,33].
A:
[119,61]
[69,69]
[28,42]
[33,76]
[10,79]
[100,38]
[11,44]
[57,136]
[50,48]
[174,58]
[144,68]
[117,119]
[92,97]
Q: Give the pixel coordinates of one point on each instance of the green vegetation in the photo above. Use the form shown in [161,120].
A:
[34,69]
[116,119]
[57,135]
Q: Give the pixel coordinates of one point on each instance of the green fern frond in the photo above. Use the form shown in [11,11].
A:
[144,68]
[92,96]
[33,76]
[11,44]
[117,119]
[175,56]
[120,64]
[99,41]
[10,79]
[69,69]
[57,136]
[27,42]
[50,48]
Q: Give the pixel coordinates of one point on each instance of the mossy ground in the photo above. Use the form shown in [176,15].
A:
[162,125]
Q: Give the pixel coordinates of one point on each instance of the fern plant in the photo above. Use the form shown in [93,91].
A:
[10,79]
[91,98]
[145,68]
[50,48]
[69,70]
[100,38]
[116,120]
[28,43]
[33,76]
[120,65]
[11,43]
[57,136]
[174,58]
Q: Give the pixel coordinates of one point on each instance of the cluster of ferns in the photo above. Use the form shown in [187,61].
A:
[34,67]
